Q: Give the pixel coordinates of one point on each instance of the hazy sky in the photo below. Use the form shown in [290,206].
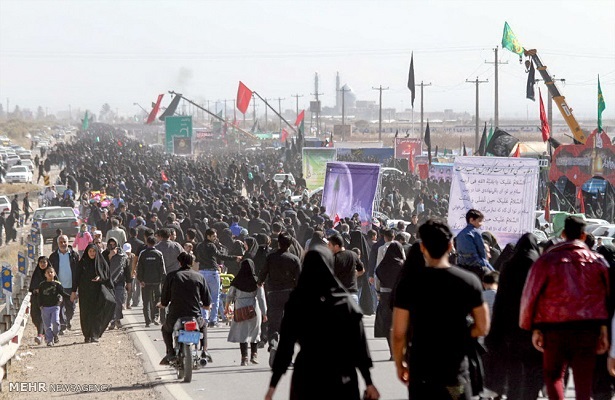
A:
[86,53]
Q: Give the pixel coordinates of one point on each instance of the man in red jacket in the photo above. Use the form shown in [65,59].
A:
[564,302]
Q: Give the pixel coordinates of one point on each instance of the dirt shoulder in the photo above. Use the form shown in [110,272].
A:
[110,369]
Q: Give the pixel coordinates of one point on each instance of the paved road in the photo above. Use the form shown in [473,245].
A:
[226,379]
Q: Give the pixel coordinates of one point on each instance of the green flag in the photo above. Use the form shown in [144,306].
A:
[601,106]
[510,41]
[86,122]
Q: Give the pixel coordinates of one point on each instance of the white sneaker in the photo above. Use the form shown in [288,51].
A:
[38,339]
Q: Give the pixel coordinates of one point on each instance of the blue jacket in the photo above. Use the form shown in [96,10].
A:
[471,248]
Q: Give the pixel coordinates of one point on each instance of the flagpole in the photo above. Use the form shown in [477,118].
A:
[214,115]
[276,113]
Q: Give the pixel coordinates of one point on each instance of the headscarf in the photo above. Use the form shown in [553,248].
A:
[389,268]
[358,240]
[98,263]
[513,274]
[252,248]
[226,238]
[246,277]
[317,278]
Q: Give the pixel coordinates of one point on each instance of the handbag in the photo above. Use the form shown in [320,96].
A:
[244,313]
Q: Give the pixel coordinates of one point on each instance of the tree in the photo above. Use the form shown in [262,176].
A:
[1,111]
[106,113]
[16,113]
[40,113]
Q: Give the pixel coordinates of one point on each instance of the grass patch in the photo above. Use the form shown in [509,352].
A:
[12,188]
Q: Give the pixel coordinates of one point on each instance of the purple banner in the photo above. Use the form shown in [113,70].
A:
[350,188]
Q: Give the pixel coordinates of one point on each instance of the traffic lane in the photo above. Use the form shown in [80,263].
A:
[219,378]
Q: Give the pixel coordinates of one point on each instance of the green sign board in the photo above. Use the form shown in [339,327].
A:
[177,126]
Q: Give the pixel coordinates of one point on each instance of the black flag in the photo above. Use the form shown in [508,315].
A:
[428,142]
[396,132]
[407,132]
[465,152]
[436,150]
[554,143]
[483,143]
[501,144]
[171,108]
[531,81]
[411,79]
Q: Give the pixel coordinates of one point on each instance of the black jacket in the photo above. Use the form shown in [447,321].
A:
[208,256]
[54,261]
[186,292]
[150,267]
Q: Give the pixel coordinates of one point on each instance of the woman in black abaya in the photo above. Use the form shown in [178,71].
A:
[388,272]
[357,240]
[96,299]
[331,350]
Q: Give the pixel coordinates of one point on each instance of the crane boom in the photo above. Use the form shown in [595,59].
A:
[558,98]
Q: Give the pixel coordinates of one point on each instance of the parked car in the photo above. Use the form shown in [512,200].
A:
[280,178]
[12,159]
[604,230]
[52,218]
[386,171]
[19,174]
[5,204]
[28,163]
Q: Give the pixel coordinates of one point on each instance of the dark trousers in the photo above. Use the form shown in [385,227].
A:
[67,310]
[275,310]
[37,317]
[424,390]
[167,333]
[510,361]
[150,295]
[570,347]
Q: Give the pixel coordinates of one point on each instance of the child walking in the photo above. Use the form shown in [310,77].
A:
[50,293]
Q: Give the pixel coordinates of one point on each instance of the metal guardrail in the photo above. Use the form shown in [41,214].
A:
[15,314]
[11,339]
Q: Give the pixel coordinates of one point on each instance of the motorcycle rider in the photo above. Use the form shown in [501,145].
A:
[185,293]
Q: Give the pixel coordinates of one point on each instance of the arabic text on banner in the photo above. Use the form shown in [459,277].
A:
[503,189]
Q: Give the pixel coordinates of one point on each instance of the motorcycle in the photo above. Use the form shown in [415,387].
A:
[187,338]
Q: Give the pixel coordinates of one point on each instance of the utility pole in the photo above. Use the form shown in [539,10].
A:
[476,137]
[296,96]
[280,111]
[380,89]
[422,108]
[496,114]
[343,90]
[316,94]
[253,109]
[266,117]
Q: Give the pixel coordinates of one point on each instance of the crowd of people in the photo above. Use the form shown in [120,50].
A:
[154,224]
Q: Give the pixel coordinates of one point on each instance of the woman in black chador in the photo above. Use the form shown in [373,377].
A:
[333,348]
[96,299]
[387,272]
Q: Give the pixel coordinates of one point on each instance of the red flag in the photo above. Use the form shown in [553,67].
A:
[163,176]
[336,220]
[284,136]
[518,151]
[152,116]
[581,201]
[548,206]
[544,123]
[300,118]
[411,161]
[244,95]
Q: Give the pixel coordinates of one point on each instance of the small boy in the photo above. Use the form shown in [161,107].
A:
[50,293]
[470,246]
